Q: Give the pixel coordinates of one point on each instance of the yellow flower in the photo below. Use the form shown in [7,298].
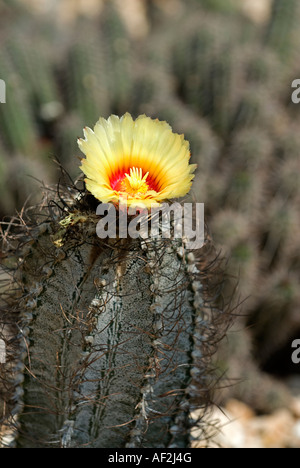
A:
[136,162]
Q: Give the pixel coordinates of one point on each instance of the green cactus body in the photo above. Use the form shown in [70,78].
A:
[207,77]
[3,174]
[110,341]
[66,144]
[218,5]
[82,83]
[33,63]
[280,33]
[119,63]
[16,117]
[85,80]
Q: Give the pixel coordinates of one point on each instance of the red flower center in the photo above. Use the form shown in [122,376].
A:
[133,182]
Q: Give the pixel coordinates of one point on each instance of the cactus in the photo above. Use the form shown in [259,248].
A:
[223,81]
[256,167]
[3,176]
[218,5]
[198,74]
[280,34]
[65,142]
[280,301]
[85,80]
[115,337]
[232,233]
[245,380]
[39,80]
[16,117]
[118,59]
[208,68]
[12,9]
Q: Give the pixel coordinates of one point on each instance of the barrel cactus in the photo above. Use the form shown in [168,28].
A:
[109,340]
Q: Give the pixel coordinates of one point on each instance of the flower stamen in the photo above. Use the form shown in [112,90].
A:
[135,182]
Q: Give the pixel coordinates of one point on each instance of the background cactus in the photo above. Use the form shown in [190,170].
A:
[281,31]
[225,82]
[17,122]
[85,84]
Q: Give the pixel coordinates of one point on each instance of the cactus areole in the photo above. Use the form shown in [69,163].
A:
[108,342]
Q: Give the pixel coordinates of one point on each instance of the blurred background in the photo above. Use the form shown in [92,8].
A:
[219,71]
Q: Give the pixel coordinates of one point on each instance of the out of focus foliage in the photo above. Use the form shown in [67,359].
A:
[213,74]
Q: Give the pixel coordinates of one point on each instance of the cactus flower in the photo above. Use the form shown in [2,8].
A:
[138,162]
